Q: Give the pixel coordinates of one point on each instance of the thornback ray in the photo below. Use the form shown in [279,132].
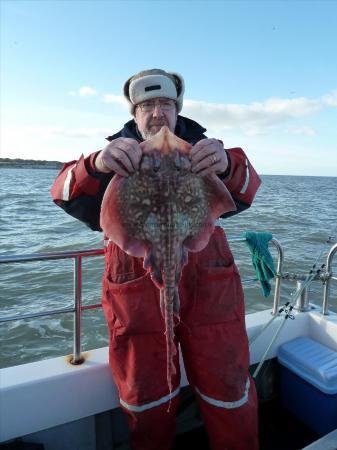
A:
[162,212]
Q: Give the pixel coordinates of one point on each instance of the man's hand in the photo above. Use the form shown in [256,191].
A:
[208,156]
[121,156]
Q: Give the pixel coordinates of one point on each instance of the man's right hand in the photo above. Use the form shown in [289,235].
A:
[121,156]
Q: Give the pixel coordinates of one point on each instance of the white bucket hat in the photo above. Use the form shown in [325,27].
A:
[154,83]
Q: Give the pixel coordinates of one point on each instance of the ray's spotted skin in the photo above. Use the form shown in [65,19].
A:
[162,212]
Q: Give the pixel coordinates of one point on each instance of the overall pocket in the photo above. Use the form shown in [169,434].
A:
[218,294]
[134,305]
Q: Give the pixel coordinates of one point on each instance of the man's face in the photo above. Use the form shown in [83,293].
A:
[152,115]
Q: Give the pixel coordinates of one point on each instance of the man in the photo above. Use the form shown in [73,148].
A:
[211,331]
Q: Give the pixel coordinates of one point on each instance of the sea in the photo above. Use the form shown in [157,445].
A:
[299,211]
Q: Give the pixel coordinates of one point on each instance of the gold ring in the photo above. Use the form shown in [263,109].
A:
[214,159]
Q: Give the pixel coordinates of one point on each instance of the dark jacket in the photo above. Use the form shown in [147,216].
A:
[79,189]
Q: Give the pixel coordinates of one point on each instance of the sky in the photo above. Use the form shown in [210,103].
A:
[260,75]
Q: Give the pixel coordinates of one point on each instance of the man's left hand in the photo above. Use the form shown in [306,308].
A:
[208,156]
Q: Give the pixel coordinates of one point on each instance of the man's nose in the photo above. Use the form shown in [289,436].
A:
[157,111]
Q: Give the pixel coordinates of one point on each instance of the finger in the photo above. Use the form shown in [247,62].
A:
[121,157]
[202,156]
[209,161]
[216,168]
[129,140]
[203,152]
[135,155]
[114,165]
[124,143]
[198,147]
[131,149]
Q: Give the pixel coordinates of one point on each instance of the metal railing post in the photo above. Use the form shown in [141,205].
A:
[280,259]
[77,256]
[302,295]
[326,292]
[77,358]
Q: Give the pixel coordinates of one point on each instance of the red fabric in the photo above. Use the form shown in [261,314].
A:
[57,188]
[85,183]
[212,337]
[232,429]
[82,182]
[90,162]
[237,176]
[153,429]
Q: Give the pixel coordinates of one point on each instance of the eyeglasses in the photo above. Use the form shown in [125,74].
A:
[165,105]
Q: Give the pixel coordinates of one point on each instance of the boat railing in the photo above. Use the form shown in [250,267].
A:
[77,256]
[77,307]
[328,277]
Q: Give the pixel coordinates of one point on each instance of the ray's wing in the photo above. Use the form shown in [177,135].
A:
[125,209]
[219,202]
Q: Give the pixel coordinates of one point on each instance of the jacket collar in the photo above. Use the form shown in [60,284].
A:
[186,129]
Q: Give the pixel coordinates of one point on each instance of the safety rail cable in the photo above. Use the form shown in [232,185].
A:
[307,281]
[77,256]
[311,276]
[288,307]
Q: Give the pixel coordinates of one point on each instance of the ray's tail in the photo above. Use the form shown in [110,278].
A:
[168,298]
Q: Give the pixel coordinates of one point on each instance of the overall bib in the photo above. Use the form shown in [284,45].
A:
[213,341]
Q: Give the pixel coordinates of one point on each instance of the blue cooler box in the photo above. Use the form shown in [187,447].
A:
[309,383]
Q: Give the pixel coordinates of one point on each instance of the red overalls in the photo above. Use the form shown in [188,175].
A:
[213,341]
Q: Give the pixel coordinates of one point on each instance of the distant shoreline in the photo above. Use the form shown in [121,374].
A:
[8,163]
[17,163]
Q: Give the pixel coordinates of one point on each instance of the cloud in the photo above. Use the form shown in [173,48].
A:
[251,119]
[116,99]
[84,132]
[330,99]
[51,142]
[302,130]
[47,132]
[256,117]
[84,91]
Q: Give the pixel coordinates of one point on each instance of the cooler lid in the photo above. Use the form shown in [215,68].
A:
[312,361]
